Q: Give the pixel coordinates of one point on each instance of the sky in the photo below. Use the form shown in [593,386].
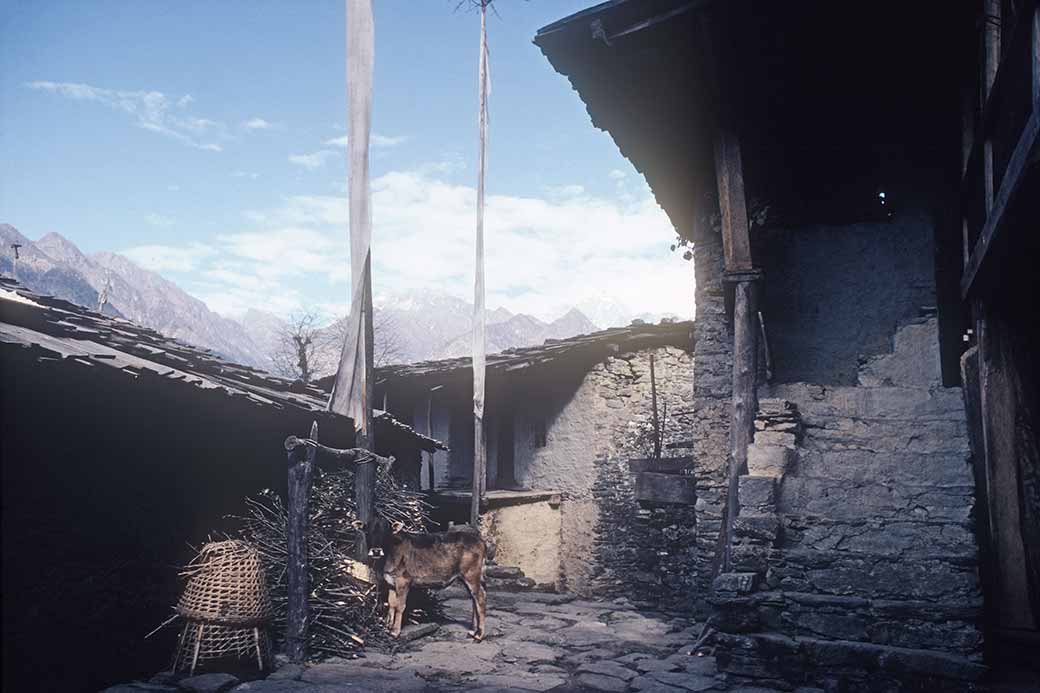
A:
[206,141]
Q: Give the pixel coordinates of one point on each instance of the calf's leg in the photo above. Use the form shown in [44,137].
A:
[401,586]
[476,593]
[391,607]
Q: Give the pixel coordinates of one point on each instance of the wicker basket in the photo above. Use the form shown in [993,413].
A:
[225,606]
[226,585]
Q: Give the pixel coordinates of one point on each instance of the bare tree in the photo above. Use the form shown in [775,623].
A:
[300,350]
[389,347]
[305,350]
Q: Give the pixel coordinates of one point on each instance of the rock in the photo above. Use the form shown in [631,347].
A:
[608,668]
[757,493]
[739,583]
[599,682]
[633,658]
[522,681]
[208,683]
[648,665]
[769,460]
[358,678]
[414,631]
[140,687]
[645,684]
[690,682]
[529,652]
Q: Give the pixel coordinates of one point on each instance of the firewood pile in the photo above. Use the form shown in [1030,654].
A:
[346,611]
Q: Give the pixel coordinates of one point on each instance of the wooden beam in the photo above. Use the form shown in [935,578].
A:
[729,174]
[1009,187]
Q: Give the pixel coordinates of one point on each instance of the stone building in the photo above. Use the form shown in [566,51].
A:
[864,451]
[573,498]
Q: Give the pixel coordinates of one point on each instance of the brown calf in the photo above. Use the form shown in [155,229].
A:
[429,560]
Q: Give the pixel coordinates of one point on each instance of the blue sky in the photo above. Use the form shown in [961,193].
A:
[200,139]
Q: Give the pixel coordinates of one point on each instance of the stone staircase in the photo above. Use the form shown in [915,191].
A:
[854,558]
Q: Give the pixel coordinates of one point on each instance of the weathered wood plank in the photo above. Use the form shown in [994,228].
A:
[729,175]
[1009,187]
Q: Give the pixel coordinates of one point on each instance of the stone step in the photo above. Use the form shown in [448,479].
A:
[502,571]
[878,537]
[841,499]
[860,465]
[861,666]
[898,623]
[887,436]
[816,403]
[938,577]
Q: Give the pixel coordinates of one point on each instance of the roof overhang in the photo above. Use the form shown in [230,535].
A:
[813,89]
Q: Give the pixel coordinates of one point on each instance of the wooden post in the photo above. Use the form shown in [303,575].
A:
[991,55]
[741,274]
[365,474]
[429,434]
[653,405]
[301,472]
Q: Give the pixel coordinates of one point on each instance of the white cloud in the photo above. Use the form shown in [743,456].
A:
[160,258]
[617,174]
[257,124]
[150,110]
[312,161]
[245,174]
[544,254]
[158,220]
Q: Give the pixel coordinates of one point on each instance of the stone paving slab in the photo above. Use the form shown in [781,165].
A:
[535,642]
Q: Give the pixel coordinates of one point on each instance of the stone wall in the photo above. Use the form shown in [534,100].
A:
[608,542]
[855,562]
[712,401]
[832,295]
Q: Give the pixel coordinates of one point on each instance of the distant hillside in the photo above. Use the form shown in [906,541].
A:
[411,326]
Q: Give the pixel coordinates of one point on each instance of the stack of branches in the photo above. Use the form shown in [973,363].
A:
[345,611]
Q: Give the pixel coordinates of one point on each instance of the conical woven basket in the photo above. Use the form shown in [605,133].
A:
[226,586]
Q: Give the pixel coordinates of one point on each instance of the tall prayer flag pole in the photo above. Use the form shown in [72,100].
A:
[352,390]
[479,316]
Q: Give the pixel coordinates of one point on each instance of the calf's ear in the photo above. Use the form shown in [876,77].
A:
[357,524]
[397,526]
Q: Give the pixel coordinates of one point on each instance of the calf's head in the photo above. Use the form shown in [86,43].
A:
[378,534]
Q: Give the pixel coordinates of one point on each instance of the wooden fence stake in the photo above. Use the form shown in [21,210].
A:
[301,474]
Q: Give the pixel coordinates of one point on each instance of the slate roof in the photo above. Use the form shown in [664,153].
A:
[587,349]
[54,330]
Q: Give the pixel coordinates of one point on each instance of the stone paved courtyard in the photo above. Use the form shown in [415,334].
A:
[536,642]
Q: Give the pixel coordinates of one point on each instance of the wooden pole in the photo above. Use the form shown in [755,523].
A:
[429,434]
[479,315]
[301,473]
[745,399]
[365,474]
[653,405]
[741,274]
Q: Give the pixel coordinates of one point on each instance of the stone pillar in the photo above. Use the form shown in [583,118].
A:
[712,400]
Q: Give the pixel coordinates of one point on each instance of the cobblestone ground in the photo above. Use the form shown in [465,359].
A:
[536,642]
